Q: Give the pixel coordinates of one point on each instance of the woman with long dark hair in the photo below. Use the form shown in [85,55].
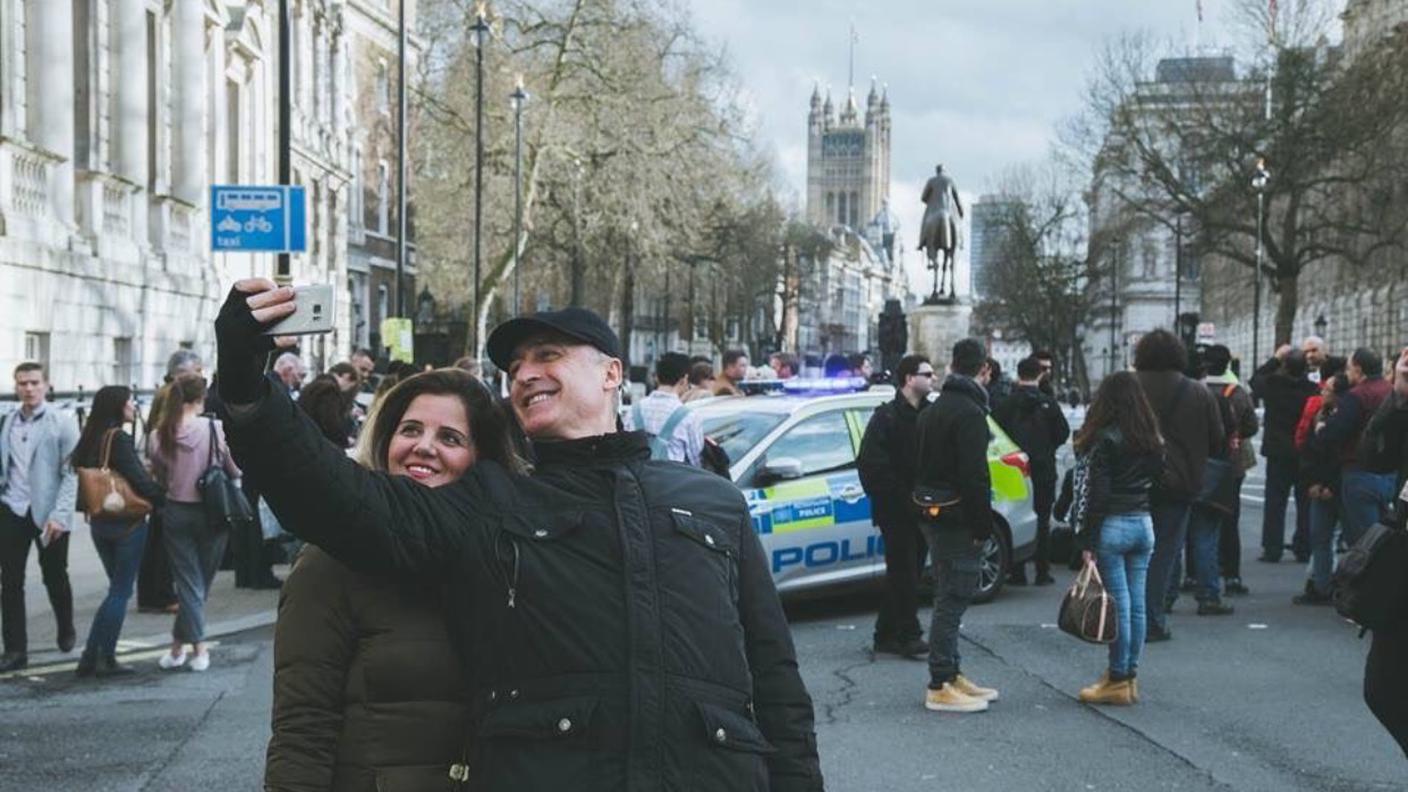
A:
[119,541]
[367,689]
[181,451]
[1120,454]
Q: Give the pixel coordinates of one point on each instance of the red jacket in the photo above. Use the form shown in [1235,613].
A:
[1307,420]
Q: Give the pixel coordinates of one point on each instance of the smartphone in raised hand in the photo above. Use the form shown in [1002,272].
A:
[313,312]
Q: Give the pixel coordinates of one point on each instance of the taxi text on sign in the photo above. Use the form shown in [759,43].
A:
[258,219]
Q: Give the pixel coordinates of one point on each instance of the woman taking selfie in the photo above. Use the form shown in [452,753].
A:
[1119,456]
[119,541]
[180,450]
[367,689]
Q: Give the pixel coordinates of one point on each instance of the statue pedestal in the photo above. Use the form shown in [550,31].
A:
[934,329]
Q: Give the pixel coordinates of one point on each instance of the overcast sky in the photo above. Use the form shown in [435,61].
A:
[977,85]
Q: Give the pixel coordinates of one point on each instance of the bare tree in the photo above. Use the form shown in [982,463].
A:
[1045,262]
[1330,131]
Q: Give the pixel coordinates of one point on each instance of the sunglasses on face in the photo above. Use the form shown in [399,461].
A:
[923,373]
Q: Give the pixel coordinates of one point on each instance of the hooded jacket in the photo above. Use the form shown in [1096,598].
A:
[953,451]
[622,627]
[1191,423]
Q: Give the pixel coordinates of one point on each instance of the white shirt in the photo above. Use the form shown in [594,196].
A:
[687,443]
[22,443]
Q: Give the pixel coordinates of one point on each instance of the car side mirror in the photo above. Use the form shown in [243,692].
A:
[781,469]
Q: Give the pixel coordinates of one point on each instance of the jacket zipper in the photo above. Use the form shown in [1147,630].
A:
[510,568]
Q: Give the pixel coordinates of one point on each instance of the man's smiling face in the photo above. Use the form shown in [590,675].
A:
[562,389]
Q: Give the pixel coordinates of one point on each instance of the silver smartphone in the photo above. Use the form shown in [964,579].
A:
[313,312]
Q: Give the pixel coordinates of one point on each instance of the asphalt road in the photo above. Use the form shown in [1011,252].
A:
[1266,699]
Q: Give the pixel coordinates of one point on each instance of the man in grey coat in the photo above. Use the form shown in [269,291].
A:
[38,490]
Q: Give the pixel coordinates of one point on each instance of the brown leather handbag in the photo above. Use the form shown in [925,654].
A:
[1087,610]
[104,493]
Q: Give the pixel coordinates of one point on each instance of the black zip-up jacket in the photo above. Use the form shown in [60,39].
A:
[886,462]
[618,622]
[953,451]
[1035,422]
[1284,400]
[1118,481]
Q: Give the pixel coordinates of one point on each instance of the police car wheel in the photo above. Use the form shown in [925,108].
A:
[993,563]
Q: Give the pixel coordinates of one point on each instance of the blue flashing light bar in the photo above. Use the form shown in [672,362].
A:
[799,386]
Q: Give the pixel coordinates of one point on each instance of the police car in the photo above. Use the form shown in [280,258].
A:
[793,453]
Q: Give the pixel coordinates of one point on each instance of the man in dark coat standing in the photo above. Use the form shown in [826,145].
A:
[1192,427]
[616,614]
[1283,388]
[1034,421]
[953,469]
[886,463]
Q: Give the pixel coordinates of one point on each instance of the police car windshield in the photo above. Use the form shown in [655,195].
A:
[738,432]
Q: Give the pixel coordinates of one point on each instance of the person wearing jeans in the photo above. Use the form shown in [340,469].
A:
[1120,455]
[1365,497]
[1126,545]
[1364,494]
[120,542]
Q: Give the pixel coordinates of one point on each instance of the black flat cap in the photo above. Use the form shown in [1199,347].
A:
[575,323]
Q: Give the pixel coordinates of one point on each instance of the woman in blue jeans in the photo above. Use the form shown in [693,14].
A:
[1119,456]
[119,542]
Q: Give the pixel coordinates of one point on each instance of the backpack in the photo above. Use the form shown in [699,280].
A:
[659,441]
[1369,586]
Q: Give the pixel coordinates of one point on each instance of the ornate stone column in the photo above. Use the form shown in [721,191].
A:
[128,24]
[188,41]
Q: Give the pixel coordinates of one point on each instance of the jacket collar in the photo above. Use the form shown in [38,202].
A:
[601,450]
[966,386]
[901,403]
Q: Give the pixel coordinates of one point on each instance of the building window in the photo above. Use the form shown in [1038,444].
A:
[855,210]
[841,212]
[153,100]
[383,89]
[36,348]
[383,198]
[383,303]
[354,201]
[831,204]
[121,361]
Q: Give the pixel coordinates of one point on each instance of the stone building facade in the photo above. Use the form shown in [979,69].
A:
[848,159]
[116,116]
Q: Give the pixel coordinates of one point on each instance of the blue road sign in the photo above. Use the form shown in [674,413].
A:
[255,219]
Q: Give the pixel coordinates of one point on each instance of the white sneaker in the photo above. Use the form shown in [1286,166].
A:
[201,661]
[169,661]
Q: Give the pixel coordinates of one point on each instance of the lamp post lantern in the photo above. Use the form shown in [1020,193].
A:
[1320,323]
[1260,177]
[1178,275]
[519,97]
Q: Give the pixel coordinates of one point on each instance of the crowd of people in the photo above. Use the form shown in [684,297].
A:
[481,568]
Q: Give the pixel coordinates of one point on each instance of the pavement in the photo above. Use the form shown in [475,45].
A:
[229,610]
[1268,698]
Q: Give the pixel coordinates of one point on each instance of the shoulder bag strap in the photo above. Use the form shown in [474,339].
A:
[672,423]
[212,456]
[106,454]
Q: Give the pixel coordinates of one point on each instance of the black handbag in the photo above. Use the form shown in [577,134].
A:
[1219,490]
[225,505]
[930,502]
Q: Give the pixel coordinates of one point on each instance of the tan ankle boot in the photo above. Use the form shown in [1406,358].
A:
[1107,691]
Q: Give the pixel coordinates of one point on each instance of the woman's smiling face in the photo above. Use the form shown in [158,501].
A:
[431,443]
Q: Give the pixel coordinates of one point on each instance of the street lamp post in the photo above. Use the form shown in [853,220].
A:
[401,164]
[283,269]
[1260,177]
[480,27]
[1178,275]
[1320,323]
[519,96]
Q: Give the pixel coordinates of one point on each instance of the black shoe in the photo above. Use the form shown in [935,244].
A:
[1311,597]
[1018,578]
[1157,634]
[1214,608]
[109,667]
[911,648]
[13,661]
[87,664]
[1267,558]
[1189,584]
[67,638]
[1234,588]
[1045,579]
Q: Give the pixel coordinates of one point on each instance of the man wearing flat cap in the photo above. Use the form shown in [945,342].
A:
[618,622]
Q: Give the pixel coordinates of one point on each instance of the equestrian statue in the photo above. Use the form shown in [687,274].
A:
[939,232]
